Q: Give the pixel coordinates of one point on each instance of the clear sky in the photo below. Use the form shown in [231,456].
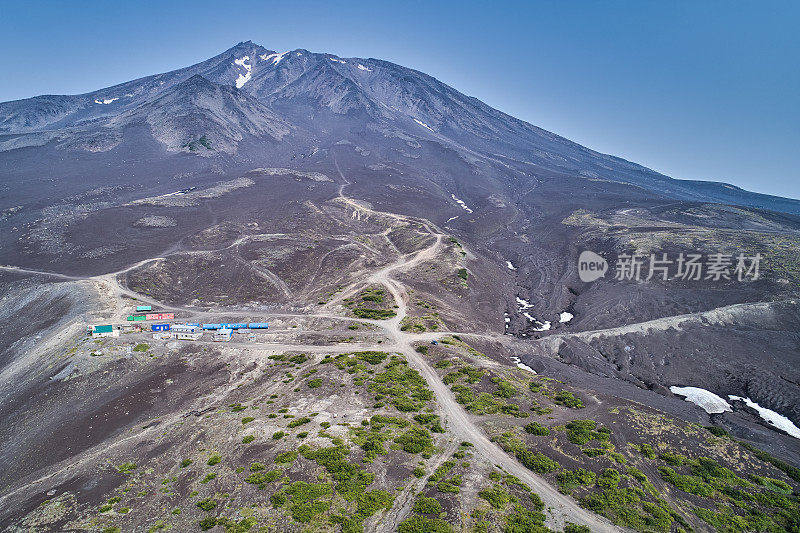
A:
[694,89]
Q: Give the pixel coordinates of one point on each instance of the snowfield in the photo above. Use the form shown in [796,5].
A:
[708,401]
[517,361]
[243,78]
[771,417]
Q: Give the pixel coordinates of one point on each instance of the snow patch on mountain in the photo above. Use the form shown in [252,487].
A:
[523,304]
[565,317]
[337,60]
[453,196]
[517,361]
[708,401]
[243,78]
[510,265]
[422,124]
[274,58]
[771,417]
[106,101]
[362,67]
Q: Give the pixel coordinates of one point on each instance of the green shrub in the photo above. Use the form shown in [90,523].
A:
[425,505]
[538,462]
[286,457]
[463,274]
[647,451]
[278,435]
[247,439]
[609,479]
[415,440]
[569,480]
[299,422]
[247,420]
[260,478]
[207,504]
[370,502]
[208,477]
[524,520]
[207,523]
[535,428]
[185,463]
[497,496]
[690,484]
[717,431]
[373,314]
[372,357]
[594,452]
[215,458]
[141,347]
[567,399]
[314,383]
[582,431]
[505,389]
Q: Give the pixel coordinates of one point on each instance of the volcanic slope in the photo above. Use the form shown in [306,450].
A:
[380,430]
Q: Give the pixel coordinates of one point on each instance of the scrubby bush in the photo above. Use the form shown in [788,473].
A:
[415,440]
[286,457]
[567,399]
[582,431]
[497,496]
[647,450]
[524,520]
[535,428]
[609,479]
[215,458]
[425,505]
[299,422]
[207,504]
[208,522]
[247,439]
[538,462]
[569,480]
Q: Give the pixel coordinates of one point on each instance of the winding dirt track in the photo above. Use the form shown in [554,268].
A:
[459,422]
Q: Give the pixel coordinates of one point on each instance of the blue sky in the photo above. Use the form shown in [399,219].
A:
[696,90]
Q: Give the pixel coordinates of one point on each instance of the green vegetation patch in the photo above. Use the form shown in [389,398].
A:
[581,432]
[567,399]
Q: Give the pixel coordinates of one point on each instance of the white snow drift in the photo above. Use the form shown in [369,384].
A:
[243,78]
[708,401]
[771,417]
